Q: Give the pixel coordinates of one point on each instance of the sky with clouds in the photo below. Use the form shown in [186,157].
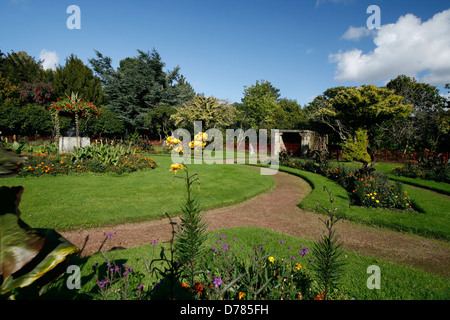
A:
[303,47]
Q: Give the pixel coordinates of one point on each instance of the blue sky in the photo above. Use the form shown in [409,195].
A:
[302,47]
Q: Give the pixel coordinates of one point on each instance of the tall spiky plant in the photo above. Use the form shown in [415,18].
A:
[191,234]
[326,253]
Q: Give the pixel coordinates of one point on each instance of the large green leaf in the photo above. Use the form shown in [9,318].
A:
[19,244]
[47,265]
[27,255]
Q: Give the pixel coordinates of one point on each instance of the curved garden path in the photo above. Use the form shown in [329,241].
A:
[277,210]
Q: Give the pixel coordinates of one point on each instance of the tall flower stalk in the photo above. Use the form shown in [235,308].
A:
[191,233]
[326,253]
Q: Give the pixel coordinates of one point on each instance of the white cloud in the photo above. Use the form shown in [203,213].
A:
[356,33]
[406,47]
[50,59]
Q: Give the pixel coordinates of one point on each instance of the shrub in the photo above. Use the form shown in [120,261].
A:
[355,148]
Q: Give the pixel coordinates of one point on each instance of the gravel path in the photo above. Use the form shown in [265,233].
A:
[277,210]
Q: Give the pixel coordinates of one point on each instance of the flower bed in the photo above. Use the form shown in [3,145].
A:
[110,160]
[365,186]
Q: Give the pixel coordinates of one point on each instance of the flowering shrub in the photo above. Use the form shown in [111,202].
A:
[365,186]
[114,160]
[73,105]
[376,192]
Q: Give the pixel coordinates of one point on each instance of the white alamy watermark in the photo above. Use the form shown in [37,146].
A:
[374,21]
[214,151]
[74,20]
[73,281]
[374,280]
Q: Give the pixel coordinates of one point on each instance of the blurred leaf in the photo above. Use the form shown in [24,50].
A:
[46,266]
[9,162]
[19,244]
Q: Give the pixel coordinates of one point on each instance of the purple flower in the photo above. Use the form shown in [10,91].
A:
[154,242]
[304,251]
[217,282]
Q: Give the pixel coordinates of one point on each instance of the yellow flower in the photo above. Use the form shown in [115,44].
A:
[178,149]
[375,193]
[176,166]
[201,136]
[271,259]
[373,197]
[377,201]
[298,266]
[196,143]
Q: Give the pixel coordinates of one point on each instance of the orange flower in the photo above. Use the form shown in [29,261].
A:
[198,287]
[241,295]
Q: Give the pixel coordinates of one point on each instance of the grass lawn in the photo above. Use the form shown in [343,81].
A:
[65,202]
[433,221]
[397,282]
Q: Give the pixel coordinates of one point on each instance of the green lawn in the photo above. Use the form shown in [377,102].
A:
[397,282]
[65,202]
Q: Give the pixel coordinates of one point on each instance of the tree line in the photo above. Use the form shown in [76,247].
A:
[140,97]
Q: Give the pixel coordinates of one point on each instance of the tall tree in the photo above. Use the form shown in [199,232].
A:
[19,67]
[78,78]
[422,129]
[139,85]
[290,116]
[260,105]
[355,108]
